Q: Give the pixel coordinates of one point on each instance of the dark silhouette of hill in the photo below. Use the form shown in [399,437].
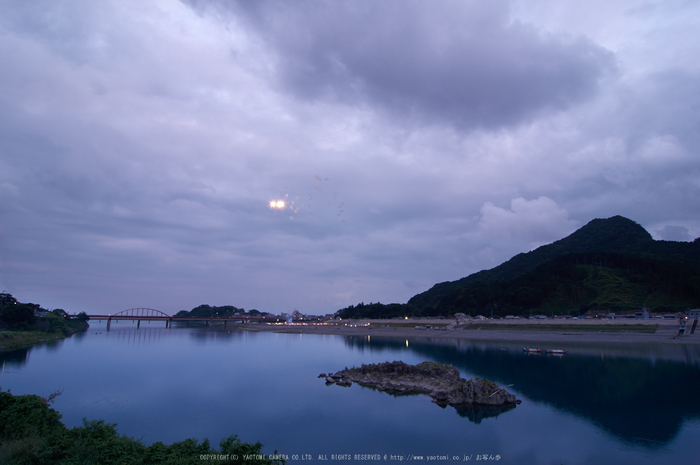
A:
[621,239]
[611,263]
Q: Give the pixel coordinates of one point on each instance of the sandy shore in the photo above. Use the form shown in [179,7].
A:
[567,331]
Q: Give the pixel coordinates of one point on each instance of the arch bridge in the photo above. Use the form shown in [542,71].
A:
[143,313]
[151,314]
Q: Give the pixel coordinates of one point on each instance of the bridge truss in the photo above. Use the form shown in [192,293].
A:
[142,313]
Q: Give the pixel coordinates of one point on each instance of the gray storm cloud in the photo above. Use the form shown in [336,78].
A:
[461,63]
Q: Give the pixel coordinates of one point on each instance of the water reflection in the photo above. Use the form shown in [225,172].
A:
[11,360]
[477,413]
[137,336]
[215,333]
[144,334]
[641,394]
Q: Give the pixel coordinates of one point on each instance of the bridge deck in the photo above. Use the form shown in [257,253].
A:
[180,318]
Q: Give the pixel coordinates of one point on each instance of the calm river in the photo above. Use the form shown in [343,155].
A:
[596,405]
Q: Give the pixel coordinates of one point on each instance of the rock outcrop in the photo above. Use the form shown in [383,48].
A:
[441,382]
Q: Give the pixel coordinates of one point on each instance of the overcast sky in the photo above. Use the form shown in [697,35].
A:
[413,142]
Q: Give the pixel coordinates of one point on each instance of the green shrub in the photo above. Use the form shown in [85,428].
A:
[31,433]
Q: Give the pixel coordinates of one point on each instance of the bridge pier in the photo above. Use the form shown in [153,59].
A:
[138,325]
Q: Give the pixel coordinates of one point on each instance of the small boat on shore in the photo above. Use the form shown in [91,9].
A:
[555,351]
[532,349]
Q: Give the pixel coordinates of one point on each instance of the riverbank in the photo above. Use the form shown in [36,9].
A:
[16,339]
[10,340]
[524,331]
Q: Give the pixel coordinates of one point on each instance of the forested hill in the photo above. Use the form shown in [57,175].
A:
[615,235]
[611,264]
[225,311]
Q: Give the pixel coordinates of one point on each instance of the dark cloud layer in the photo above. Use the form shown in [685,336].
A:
[460,63]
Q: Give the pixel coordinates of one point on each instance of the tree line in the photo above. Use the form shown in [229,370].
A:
[18,316]
[224,311]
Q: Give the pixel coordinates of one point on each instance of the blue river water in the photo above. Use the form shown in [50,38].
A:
[598,404]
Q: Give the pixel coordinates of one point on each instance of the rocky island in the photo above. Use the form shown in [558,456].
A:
[440,381]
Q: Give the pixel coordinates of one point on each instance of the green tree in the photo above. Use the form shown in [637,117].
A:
[31,433]
[20,316]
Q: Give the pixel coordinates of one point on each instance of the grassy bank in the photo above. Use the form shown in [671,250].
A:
[50,328]
[627,328]
[406,325]
[16,339]
[24,324]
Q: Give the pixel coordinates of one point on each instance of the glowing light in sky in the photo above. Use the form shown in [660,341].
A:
[278,204]
[296,203]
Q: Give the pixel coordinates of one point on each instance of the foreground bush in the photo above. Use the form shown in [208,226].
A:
[31,433]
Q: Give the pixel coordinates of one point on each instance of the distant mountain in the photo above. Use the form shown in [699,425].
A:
[614,235]
[608,264]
